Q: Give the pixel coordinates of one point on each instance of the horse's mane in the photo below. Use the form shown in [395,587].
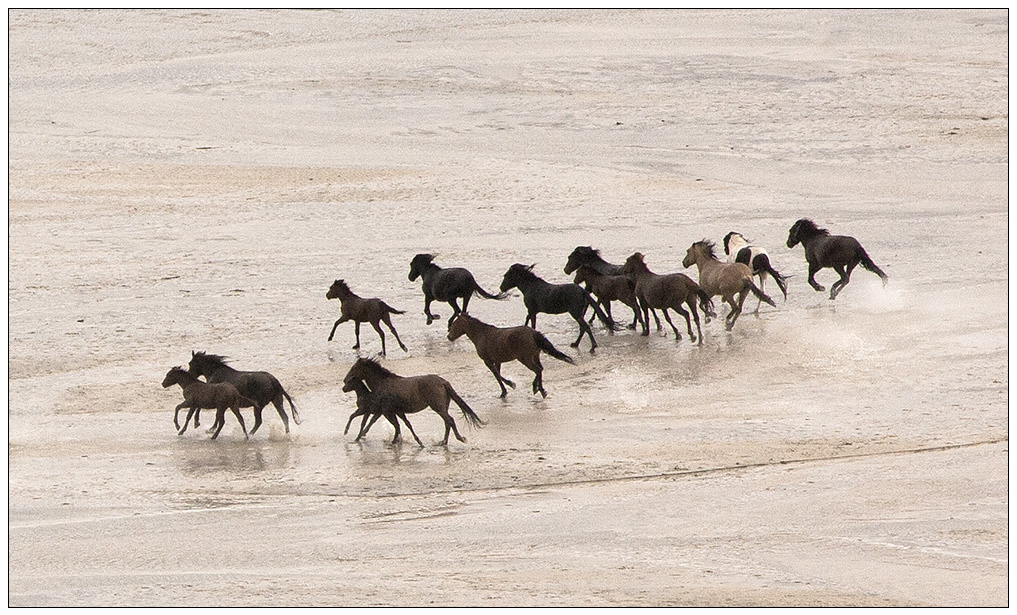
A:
[710,248]
[375,366]
[202,356]
[525,270]
[808,225]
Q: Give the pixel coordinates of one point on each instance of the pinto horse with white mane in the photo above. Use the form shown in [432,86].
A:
[739,250]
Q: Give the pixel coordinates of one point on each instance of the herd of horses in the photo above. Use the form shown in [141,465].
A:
[383,394]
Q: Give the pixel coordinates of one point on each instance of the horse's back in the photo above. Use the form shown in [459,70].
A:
[833,250]
[452,282]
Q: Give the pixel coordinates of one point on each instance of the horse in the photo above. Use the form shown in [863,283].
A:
[587,255]
[361,310]
[739,250]
[542,296]
[724,279]
[667,291]
[369,404]
[839,252]
[260,388]
[445,285]
[496,345]
[200,395]
[412,393]
[608,288]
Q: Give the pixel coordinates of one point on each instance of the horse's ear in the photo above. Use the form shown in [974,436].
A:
[530,268]
[192,354]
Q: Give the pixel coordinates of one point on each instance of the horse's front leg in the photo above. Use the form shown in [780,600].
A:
[176,414]
[353,416]
[427,308]
[813,270]
[356,331]
[187,420]
[341,320]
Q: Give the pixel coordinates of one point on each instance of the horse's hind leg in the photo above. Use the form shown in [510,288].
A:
[667,317]
[455,308]
[257,418]
[845,277]
[533,364]
[220,420]
[584,329]
[688,322]
[736,309]
[278,403]
[762,284]
[240,419]
[356,330]
[381,334]
[410,427]
[388,322]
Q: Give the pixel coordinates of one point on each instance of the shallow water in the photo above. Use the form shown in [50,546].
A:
[173,189]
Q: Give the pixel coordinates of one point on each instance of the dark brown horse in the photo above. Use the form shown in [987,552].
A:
[360,310]
[260,388]
[413,393]
[666,292]
[445,285]
[586,255]
[200,395]
[839,252]
[608,288]
[370,404]
[731,281]
[496,345]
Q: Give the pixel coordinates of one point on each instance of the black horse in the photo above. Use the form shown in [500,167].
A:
[370,404]
[445,285]
[542,296]
[261,388]
[822,250]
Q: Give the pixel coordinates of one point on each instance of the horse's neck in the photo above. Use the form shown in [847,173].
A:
[186,379]
[531,282]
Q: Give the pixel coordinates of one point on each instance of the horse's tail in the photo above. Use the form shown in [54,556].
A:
[867,263]
[705,303]
[293,407]
[758,293]
[545,344]
[601,315]
[486,295]
[391,310]
[763,262]
[468,412]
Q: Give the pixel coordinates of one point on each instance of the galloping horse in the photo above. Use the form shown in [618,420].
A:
[361,310]
[445,285]
[412,393]
[200,395]
[260,388]
[608,288]
[496,345]
[542,296]
[739,250]
[666,292]
[840,252]
[370,404]
[724,279]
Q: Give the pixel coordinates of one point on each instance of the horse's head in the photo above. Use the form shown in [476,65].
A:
[580,256]
[516,275]
[802,230]
[368,370]
[202,363]
[733,238]
[584,274]
[339,289]
[419,263]
[176,375]
[634,264]
[458,326]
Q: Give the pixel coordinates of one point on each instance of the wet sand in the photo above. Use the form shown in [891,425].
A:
[195,180]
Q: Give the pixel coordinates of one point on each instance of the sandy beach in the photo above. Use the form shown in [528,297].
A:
[186,181]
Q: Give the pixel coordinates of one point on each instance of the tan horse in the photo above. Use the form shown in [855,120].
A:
[496,345]
[664,292]
[731,281]
[361,310]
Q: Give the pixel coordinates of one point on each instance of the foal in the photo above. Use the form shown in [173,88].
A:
[362,310]
[497,345]
[608,288]
[200,395]
[724,279]
[822,250]
[369,404]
